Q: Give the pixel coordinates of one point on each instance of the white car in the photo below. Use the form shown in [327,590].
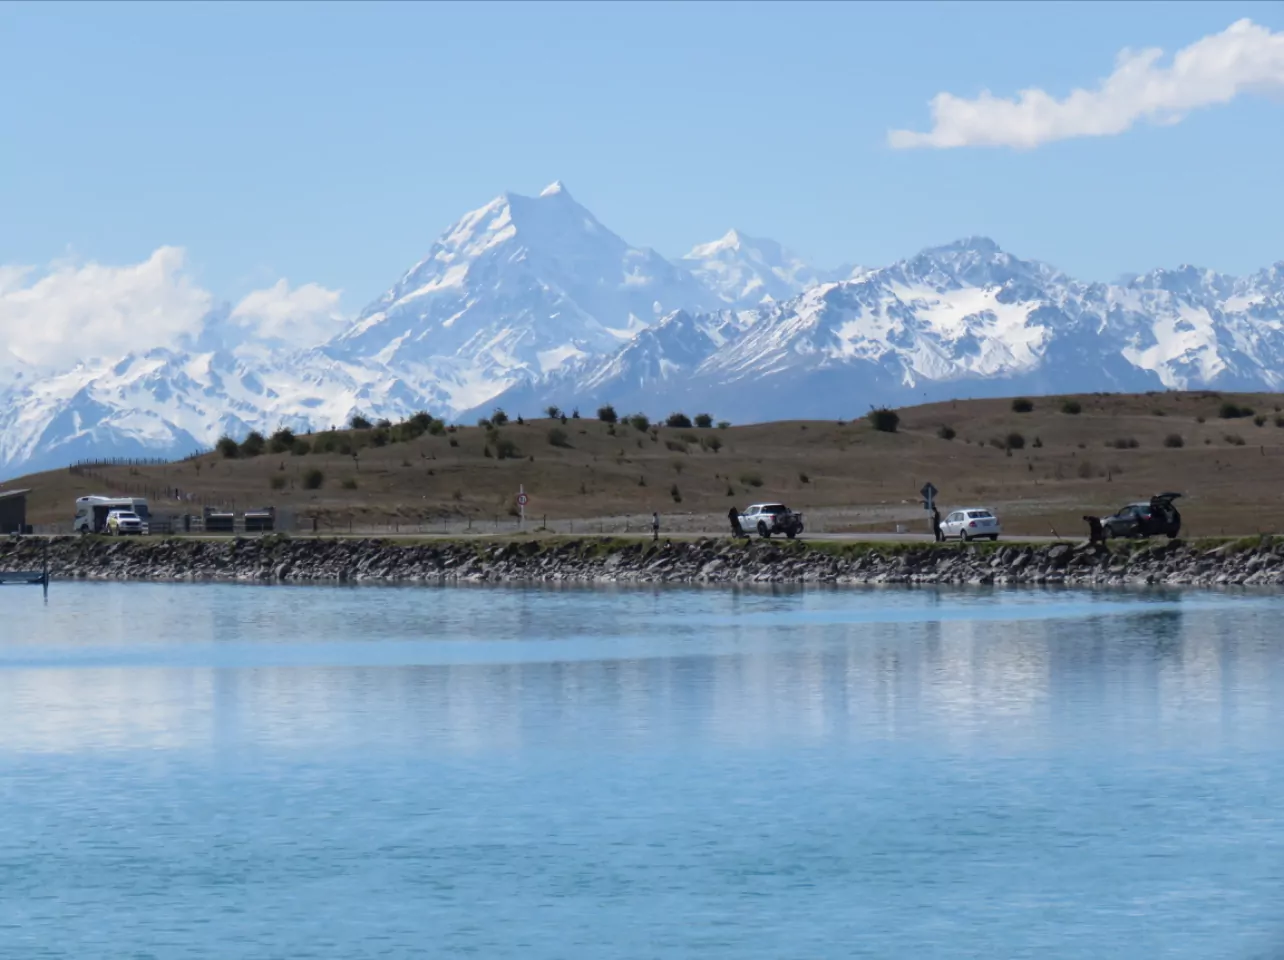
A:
[769,518]
[971,523]
[123,523]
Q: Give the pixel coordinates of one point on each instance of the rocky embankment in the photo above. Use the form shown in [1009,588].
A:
[281,559]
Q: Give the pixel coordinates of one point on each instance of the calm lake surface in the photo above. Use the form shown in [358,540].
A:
[283,772]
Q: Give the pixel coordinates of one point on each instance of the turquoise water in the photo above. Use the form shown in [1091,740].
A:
[261,772]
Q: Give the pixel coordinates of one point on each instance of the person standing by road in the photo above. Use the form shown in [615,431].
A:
[936,524]
[655,526]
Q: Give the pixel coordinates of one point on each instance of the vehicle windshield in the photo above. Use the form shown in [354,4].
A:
[774,508]
[140,512]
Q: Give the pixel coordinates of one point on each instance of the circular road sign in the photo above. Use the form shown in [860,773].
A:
[523,499]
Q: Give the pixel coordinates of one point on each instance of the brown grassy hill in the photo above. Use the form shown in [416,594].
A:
[1041,469]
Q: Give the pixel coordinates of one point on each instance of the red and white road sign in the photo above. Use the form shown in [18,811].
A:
[522,499]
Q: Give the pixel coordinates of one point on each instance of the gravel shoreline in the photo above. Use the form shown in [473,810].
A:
[279,559]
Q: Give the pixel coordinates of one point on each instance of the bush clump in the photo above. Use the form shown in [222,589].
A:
[675,493]
[640,422]
[506,449]
[677,446]
[883,419]
[553,412]
[751,479]
[1234,439]
[1174,440]
[679,420]
[1233,411]
[228,448]
[358,422]
[1072,407]
[300,448]
[607,414]
[703,420]
[498,417]
[1015,441]
[946,432]
[313,479]
[557,437]
[282,441]
[253,444]
[1124,443]
[1259,420]
[1022,405]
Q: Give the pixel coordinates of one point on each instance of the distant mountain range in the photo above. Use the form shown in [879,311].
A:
[531,301]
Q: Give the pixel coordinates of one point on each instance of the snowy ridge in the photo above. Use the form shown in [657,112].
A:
[531,301]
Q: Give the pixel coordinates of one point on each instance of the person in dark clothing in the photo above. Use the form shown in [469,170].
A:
[733,515]
[655,527]
[936,524]
[1095,532]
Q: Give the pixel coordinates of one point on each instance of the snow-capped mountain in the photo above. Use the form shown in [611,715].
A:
[518,288]
[745,271]
[530,301]
[962,320]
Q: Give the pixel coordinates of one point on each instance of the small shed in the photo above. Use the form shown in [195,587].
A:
[13,511]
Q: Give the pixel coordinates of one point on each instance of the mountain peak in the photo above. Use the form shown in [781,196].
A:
[556,188]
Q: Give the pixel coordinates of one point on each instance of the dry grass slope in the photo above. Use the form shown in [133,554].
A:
[1042,469]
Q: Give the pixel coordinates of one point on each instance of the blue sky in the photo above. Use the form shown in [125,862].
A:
[331,144]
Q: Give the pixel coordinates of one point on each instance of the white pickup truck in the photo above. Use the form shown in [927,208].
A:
[769,518]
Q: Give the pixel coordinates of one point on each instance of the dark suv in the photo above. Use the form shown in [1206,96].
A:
[1156,517]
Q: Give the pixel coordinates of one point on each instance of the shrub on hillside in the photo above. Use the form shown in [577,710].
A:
[1233,411]
[678,420]
[277,482]
[751,479]
[724,424]
[675,493]
[557,437]
[946,432]
[714,444]
[228,448]
[703,421]
[253,444]
[282,440]
[350,483]
[384,424]
[1234,439]
[358,422]
[1072,407]
[498,417]
[639,422]
[300,448]
[1174,440]
[553,412]
[607,414]
[1015,441]
[1259,420]
[883,419]
[677,446]
[1037,443]
[1279,421]
[313,479]
[1022,405]
[506,449]
[1124,443]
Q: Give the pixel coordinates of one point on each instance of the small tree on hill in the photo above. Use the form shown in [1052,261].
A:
[883,419]
[703,420]
[498,417]
[228,448]
[1022,405]
[640,422]
[607,414]
[680,420]
[358,422]
[253,444]
[553,412]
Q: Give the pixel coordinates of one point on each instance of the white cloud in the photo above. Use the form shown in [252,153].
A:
[303,316]
[1216,69]
[80,311]
[77,311]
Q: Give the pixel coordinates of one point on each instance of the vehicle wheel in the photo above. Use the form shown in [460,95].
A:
[763,531]
[994,539]
[963,537]
[791,534]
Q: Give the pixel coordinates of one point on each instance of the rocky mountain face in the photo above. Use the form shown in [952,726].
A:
[531,301]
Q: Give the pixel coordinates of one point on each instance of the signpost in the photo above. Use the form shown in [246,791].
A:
[522,500]
[929,493]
